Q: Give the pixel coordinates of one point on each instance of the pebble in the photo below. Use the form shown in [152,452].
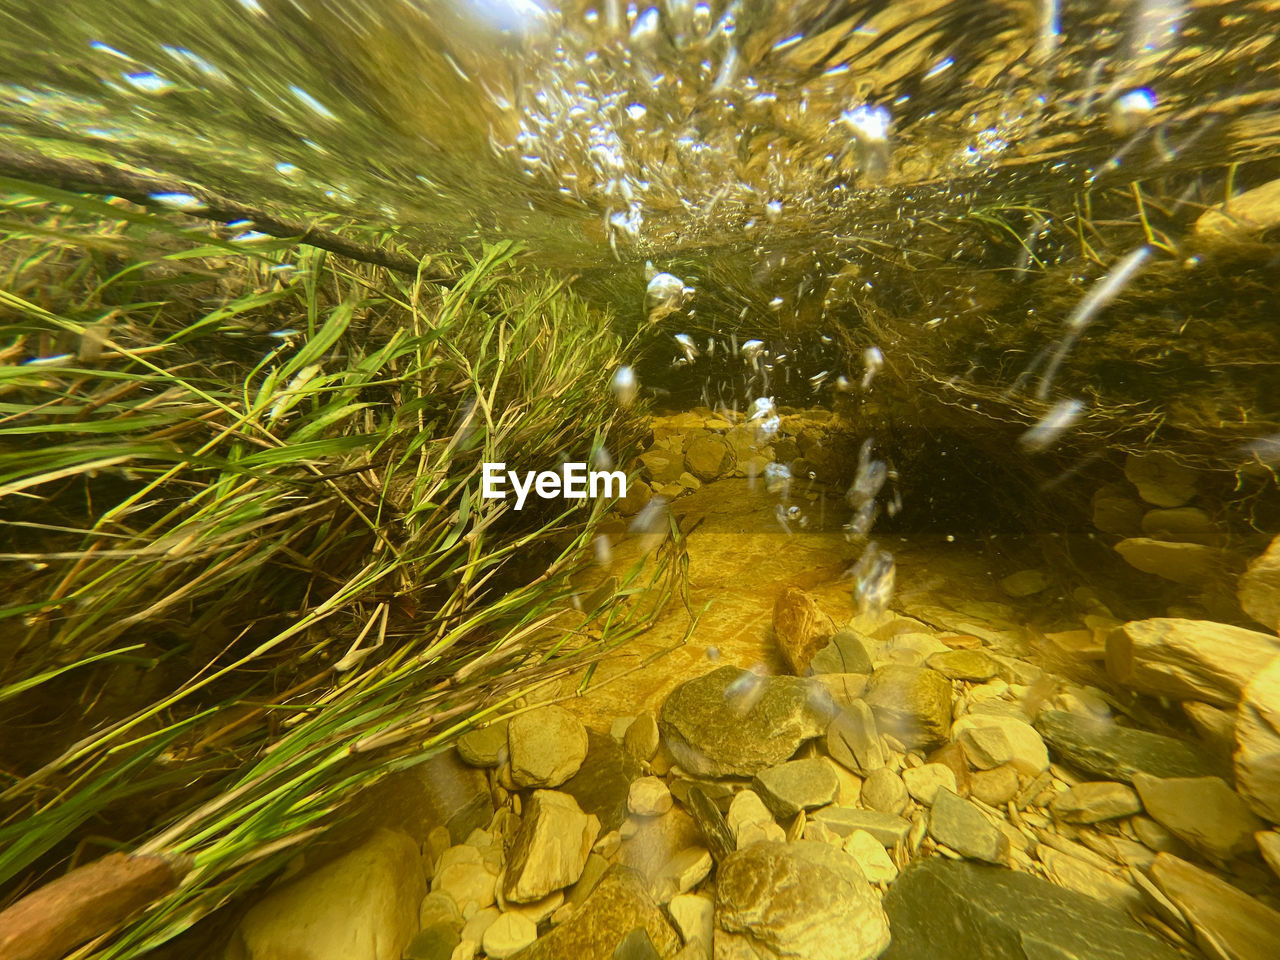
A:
[547,746]
[797,785]
[694,918]
[1111,752]
[508,935]
[923,782]
[641,737]
[551,848]
[853,739]
[994,787]
[871,856]
[1096,801]
[885,827]
[747,809]
[992,740]
[485,746]
[973,665]
[479,922]
[649,797]
[682,873]
[958,824]
[885,791]
[1269,845]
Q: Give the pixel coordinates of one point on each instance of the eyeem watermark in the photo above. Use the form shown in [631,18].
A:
[572,482]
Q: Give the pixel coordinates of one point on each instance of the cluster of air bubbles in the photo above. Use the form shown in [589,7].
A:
[870,128]
[625,384]
[1052,425]
[777,480]
[664,295]
[872,360]
[1130,111]
[765,417]
[862,493]
[687,347]
[744,692]
[873,579]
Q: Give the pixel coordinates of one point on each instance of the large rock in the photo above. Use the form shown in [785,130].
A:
[964,909]
[547,746]
[800,628]
[733,723]
[1201,811]
[1110,752]
[1257,756]
[1186,563]
[805,899]
[1227,922]
[619,903]
[1188,659]
[551,847]
[911,703]
[1258,588]
[362,906]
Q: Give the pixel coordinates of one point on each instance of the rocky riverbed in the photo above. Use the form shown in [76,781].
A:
[995,762]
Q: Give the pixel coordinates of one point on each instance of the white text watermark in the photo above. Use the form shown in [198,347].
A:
[573,481]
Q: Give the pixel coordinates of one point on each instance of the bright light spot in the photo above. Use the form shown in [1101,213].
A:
[178,201]
[148,82]
[308,100]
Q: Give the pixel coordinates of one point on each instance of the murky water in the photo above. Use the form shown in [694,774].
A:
[956,316]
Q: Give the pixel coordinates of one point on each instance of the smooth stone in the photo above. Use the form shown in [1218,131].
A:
[846,653]
[800,628]
[594,869]
[972,665]
[871,855]
[1156,837]
[434,942]
[682,873]
[731,722]
[547,746]
[1258,588]
[508,935]
[797,785]
[551,847]
[923,782]
[619,903]
[540,910]
[641,738]
[439,908]
[1228,923]
[1201,811]
[885,827]
[958,824]
[1025,583]
[884,790]
[649,797]
[1244,217]
[843,688]
[708,457]
[693,916]
[1111,752]
[952,756]
[466,882]
[1188,659]
[485,746]
[747,809]
[1257,756]
[1095,801]
[805,899]
[1160,479]
[1186,563]
[913,704]
[362,906]
[717,836]
[1027,752]
[994,787]
[1189,524]
[602,784]
[1114,512]
[964,909]
[1214,725]
[853,740]
[617,729]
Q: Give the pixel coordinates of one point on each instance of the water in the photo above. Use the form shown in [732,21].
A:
[978,297]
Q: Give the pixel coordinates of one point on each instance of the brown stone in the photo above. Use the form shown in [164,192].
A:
[1257,756]
[1258,589]
[800,628]
[82,904]
[708,456]
[1228,923]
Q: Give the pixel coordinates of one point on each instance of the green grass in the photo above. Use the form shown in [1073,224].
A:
[246,575]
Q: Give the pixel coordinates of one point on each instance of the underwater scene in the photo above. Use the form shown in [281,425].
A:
[640,479]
